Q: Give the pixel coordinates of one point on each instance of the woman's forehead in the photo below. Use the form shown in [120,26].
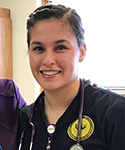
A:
[51,26]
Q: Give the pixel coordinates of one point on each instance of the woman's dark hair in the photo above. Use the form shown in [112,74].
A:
[69,16]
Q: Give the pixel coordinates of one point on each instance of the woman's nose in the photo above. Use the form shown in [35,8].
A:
[49,58]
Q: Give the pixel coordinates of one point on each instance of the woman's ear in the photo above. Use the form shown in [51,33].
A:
[82,52]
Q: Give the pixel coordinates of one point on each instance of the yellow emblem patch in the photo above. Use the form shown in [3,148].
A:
[86,129]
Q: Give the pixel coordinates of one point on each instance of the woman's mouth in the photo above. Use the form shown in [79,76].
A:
[50,73]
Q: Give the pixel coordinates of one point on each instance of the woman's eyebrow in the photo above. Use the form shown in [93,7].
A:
[37,43]
[60,41]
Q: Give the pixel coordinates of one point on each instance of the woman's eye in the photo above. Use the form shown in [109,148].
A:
[61,47]
[39,49]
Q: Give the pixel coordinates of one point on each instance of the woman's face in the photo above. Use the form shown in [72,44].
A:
[54,54]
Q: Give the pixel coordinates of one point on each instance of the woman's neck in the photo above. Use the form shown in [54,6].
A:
[57,101]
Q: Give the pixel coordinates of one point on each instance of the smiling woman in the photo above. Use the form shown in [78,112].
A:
[70,113]
[51,57]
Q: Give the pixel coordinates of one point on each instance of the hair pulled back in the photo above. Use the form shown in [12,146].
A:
[69,16]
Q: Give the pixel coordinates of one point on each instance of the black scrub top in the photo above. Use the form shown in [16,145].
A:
[103,122]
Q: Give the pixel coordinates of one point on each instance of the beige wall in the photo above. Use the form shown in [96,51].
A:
[20,9]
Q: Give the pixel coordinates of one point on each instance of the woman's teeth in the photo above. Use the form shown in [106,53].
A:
[50,72]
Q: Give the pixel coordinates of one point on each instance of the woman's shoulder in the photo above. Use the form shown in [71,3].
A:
[28,110]
[105,104]
[102,96]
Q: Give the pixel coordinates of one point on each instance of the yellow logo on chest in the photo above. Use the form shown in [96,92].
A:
[87,128]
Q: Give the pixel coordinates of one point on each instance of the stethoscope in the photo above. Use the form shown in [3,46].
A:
[76,146]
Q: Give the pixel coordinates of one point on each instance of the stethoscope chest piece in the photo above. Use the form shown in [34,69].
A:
[76,147]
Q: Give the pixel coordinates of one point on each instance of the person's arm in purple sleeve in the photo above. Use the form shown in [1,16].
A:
[10,103]
[20,101]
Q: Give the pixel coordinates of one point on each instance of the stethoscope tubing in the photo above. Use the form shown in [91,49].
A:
[80,114]
[32,136]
